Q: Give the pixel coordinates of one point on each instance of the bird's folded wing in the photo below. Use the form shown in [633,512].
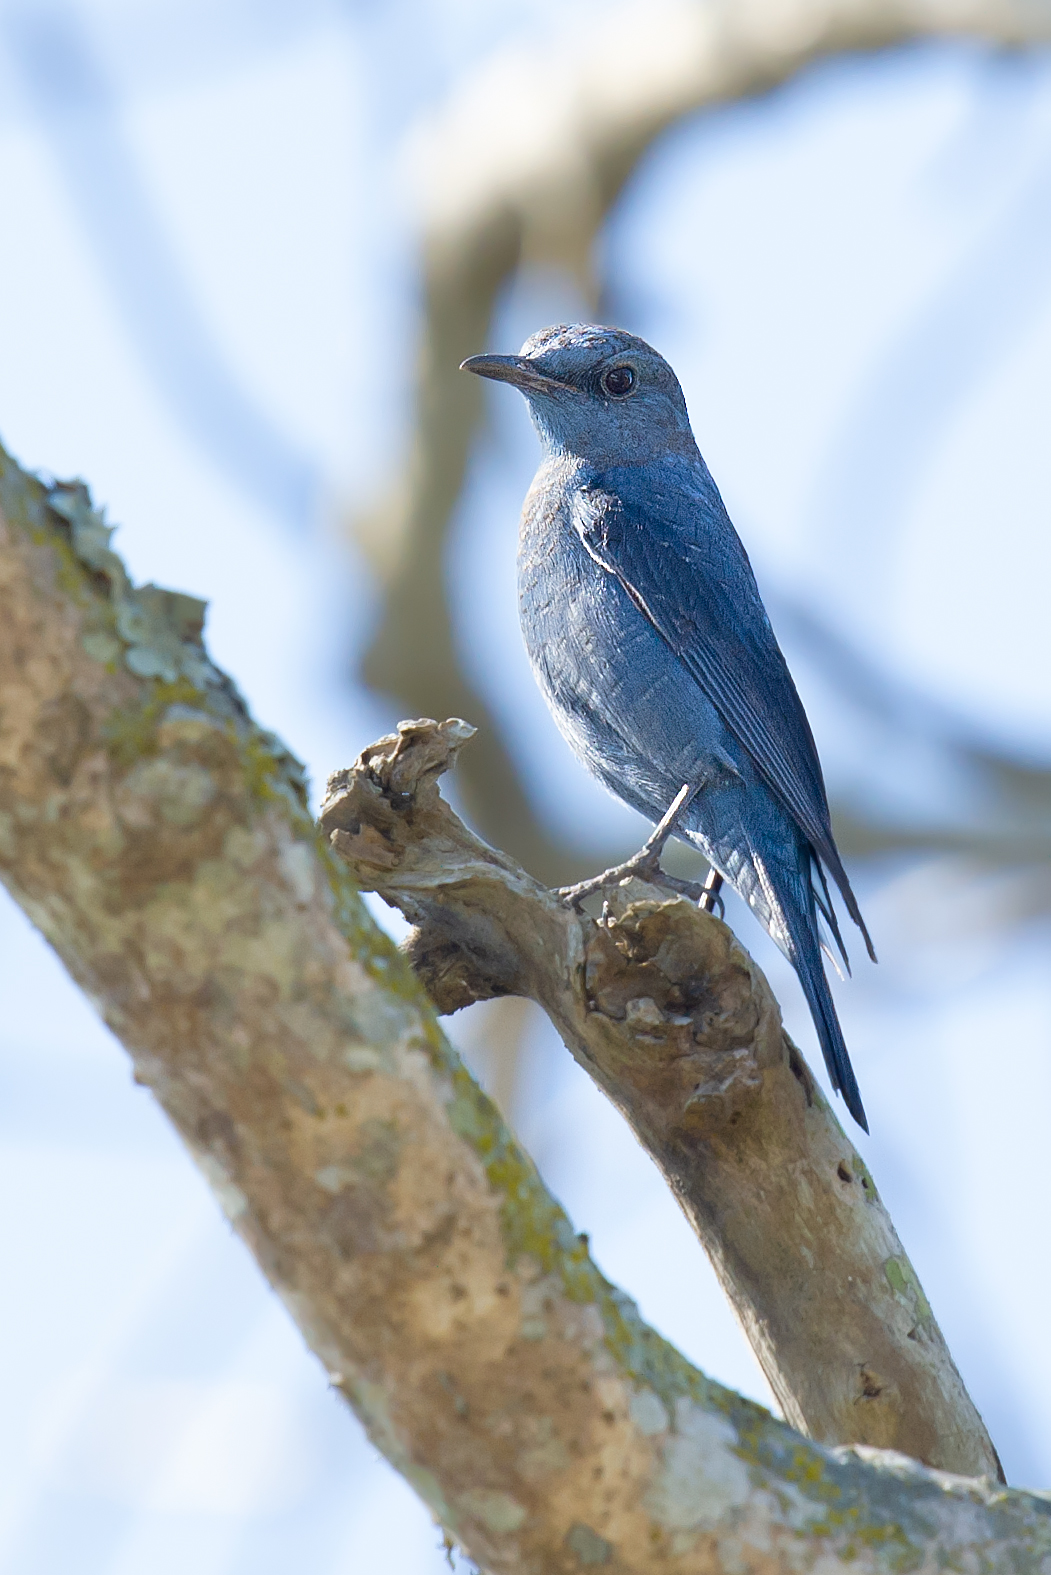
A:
[696,588]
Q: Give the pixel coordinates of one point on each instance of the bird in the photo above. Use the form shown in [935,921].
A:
[649,639]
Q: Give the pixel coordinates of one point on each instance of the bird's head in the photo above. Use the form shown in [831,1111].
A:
[598,393]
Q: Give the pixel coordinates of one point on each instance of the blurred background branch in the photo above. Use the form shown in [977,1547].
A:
[74,101]
[523,169]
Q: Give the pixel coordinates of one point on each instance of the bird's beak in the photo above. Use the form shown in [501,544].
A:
[516,369]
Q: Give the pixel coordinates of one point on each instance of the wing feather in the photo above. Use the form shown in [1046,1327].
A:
[682,564]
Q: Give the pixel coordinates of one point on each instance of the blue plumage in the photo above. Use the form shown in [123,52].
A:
[647,634]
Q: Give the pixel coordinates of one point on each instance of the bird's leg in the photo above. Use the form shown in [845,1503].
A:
[646,862]
[710,895]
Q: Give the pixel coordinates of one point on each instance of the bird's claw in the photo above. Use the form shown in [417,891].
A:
[645,866]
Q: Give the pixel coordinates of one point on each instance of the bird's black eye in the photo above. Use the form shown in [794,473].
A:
[618,381]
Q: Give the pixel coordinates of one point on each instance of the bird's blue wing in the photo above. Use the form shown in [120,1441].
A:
[669,541]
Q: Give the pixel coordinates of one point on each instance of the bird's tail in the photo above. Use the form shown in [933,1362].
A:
[802,928]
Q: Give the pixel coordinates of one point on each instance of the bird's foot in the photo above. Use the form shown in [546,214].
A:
[646,865]
[646,868]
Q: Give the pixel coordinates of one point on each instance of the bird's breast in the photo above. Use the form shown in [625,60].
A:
[626,706]
[563,600]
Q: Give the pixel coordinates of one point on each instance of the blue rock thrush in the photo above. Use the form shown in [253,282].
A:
[648,637]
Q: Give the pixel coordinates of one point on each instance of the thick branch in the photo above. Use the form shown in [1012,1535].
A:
[668,1013]
[160,841]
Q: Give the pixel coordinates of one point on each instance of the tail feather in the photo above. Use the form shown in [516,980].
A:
[809,967]
[829,853]
[828,912]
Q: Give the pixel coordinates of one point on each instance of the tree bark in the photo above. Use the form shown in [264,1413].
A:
[160,841]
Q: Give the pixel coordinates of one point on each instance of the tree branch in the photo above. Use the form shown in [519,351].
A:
[663,1007]
[160,841]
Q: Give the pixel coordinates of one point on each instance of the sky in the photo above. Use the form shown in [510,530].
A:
[209,299]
